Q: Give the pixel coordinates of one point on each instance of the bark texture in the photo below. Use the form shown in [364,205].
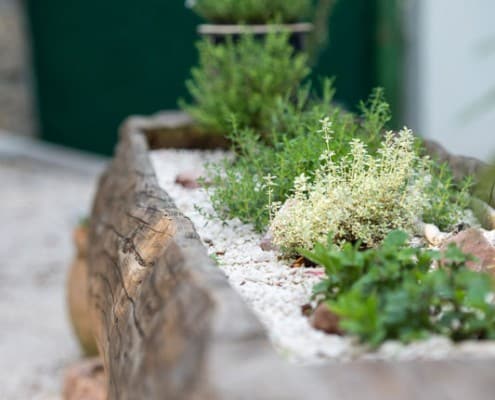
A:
[169,326]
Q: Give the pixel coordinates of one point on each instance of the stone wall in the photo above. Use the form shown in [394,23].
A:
[15,90]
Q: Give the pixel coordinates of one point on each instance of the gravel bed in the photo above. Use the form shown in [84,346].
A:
[273,290]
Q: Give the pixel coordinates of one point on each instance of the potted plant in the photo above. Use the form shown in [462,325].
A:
[236,17]
[243,81]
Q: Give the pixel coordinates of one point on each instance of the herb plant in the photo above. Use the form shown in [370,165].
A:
[392,292]
[446,199]
[245,79]
[357,197]
[239,188]
[251,11]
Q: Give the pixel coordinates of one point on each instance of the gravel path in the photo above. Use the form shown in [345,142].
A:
[273,290]
[40,204]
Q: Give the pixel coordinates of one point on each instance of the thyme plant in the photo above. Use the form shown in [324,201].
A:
[357,197]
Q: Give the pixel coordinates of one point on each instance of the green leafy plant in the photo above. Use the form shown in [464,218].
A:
[294,146]
[245,79]
[392,292]
[251,11]
[358,197]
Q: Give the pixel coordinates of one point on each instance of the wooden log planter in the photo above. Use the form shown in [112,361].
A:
[170,326]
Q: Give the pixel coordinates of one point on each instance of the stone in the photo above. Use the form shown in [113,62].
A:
[472,241]
[433,235]
[189,179]
[325,320]
[267,244]
[85,381]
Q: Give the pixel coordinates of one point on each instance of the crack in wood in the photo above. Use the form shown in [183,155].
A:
[146,224]
[129,298]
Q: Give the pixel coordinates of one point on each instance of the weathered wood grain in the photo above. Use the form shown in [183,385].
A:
[169,325]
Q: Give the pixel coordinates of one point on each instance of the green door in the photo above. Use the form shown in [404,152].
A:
[350,53]
[96,62]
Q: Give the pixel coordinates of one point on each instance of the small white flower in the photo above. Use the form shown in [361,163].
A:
[270,180]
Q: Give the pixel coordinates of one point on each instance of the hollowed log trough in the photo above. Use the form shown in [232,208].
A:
[169,325]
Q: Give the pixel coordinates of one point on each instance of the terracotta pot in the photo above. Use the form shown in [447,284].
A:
[77,295]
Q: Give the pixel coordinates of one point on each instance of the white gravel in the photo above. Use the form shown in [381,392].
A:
[273,290]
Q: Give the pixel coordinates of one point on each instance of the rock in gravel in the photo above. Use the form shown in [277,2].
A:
[433,235]
[267,244]
[189,179]
[473,241]
[85,381]
[325,320]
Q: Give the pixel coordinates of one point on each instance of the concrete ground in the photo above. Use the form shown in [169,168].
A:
[44,192]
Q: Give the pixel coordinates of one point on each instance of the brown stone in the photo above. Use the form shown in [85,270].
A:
[266,243]
[189,179]
[85,381]
[325,320]
[472,241]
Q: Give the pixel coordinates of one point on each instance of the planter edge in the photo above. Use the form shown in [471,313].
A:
[171,326]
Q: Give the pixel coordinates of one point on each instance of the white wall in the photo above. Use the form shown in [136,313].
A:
[450,67]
